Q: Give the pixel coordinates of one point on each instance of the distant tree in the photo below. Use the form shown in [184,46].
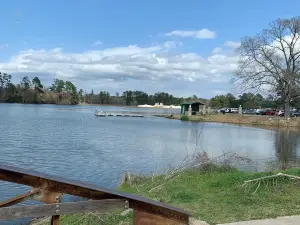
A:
[37,83]
[219,101]
[71,90]
[80,95]
[1,80]
[233,102]
[57,86]
[6,79]
[128,96]
[26,83]
[271,60]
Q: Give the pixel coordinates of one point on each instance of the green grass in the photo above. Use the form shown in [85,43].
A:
[184,118]
[216,197]
[114,218]
[94,219]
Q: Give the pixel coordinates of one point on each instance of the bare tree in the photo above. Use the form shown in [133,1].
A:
[270,60]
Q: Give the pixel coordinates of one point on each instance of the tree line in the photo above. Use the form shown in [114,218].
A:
[33,91]
[133,98]
[250,101]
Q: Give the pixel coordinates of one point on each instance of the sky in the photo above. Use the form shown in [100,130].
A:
[182,47]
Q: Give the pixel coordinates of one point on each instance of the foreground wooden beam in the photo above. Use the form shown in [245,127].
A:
[60,185]
[144,218]
[102,206]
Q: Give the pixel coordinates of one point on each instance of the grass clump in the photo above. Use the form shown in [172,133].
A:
[184,118]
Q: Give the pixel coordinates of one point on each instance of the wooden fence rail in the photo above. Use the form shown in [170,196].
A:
[49,190]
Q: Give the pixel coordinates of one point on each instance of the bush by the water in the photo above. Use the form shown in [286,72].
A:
[184,118]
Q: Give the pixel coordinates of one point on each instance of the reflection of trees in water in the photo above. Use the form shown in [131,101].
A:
[191,136]
[286,142]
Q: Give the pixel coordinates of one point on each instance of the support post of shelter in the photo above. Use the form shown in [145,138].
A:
[190,110]
[240,110]
[203,109]
[208,110]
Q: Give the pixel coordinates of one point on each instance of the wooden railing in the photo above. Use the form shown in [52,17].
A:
[49,189]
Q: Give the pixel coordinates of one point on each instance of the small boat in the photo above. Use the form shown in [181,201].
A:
[100,113]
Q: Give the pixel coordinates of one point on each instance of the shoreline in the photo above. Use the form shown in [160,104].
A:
[267,121]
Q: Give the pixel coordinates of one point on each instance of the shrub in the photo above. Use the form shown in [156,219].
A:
[184,118]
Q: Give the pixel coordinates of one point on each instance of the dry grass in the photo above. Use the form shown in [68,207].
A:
[245,119]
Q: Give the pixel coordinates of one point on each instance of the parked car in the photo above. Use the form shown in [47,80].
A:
[249,111]
[259,111]
[233,110]
[223,110]
[295,114]
[229,110]
[280,113]
[270,112]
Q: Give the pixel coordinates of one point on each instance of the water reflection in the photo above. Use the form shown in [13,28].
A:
[286,145]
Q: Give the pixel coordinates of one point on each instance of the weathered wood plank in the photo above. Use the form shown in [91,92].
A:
[7,213]
[159,211]
[77,188]
[144,218]
[20,198]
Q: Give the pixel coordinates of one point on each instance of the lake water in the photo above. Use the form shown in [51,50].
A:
[70,141]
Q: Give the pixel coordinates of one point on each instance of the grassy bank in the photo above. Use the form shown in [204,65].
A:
[216,197]
[243,119]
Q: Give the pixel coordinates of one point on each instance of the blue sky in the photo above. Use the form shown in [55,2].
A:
[183,47]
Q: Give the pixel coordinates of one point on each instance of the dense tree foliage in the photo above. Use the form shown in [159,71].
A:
[133,98]
[32,91]
[250,101]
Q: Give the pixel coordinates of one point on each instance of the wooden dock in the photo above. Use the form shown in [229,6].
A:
[102,114]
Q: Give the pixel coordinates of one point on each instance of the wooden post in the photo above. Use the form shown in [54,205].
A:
[55,220]
[144,218]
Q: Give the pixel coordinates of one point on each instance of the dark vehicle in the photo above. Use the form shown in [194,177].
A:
[249,111]
[260,112]
[295,114]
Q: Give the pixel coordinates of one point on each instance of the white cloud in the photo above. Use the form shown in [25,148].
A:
[198,34]
[216,51]
[98,42]
[172,44]
[232,44]
[2,46]
[112,66]
[219,92]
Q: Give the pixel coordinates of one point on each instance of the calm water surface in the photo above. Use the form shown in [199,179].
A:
[70,141]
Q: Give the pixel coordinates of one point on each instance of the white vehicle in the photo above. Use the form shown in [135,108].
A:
[234,110]
[229,110]
[280,113]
